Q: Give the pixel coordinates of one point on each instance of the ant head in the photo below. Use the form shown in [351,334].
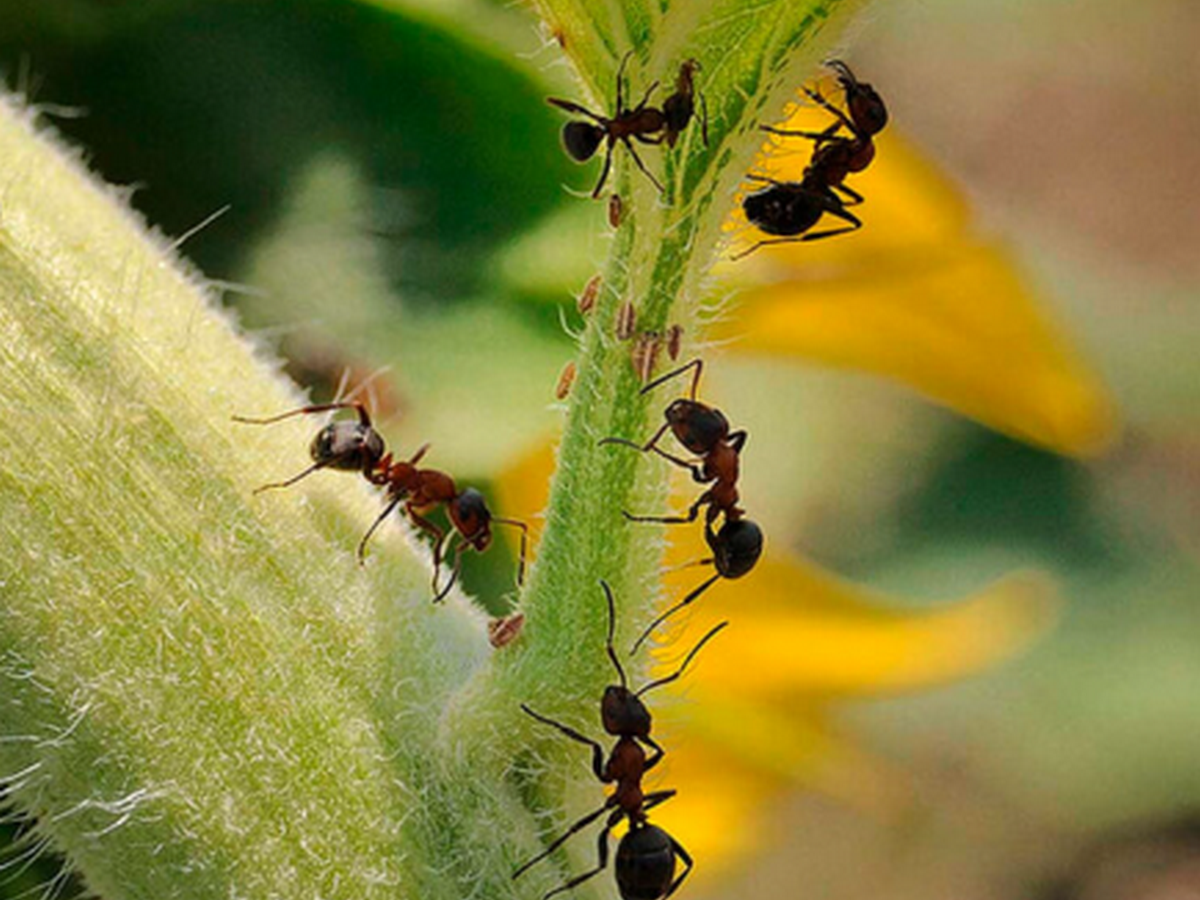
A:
[470,515]
[697,427]
[623,713]
[346,445]
[736,547]
[581,140]
[863,101]
[645,864]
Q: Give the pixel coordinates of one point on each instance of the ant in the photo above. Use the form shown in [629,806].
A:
[835,156]
[704,430]
[646,854]
[642,123]
[681,106]
[357,446]
[791,208]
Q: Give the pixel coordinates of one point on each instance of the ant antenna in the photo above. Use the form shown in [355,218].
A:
[612,625]
[678,672]
[674,609]
[363,416]
[697,364]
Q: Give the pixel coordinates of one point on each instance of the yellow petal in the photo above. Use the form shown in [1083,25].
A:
[800,631]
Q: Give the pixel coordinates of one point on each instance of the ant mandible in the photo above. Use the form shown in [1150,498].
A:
[642,123]
[357,446]
[646,854]
[704,431]
[679,108]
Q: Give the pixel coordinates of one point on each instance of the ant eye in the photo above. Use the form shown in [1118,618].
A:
[581,140]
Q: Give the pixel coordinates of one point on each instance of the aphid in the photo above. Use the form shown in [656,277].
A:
[704,431]
[503,631]
[646,855]
[566,378]
[674,341]
[681,105]
[643,123]
[626,321]
[644,354]
[591,291]
[615,211]
[357,446]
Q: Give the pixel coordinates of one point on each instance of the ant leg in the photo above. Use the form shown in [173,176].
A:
[515,523]
[602,852]
[282,484]
[620,76]
[855,224]
[421,451]
[692,513]
[362,545]
[855,196]
[363,416]
[644,448]
[821,137]
[697,364]
[439,596]
[653,759]
[696,469]
[703,118]
[597,750]
[558,842]
[674,609]
[764,179]
[637,159]
[657,798]
[646,99]
[439,537]
[572,107]
[646,139]
[659,682]
[603,171]
[687,862]
[818,98]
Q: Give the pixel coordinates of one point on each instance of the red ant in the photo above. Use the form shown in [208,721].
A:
[357,446]
[704,431]
[790,208]
[646,855]
[679,108]
[582,139]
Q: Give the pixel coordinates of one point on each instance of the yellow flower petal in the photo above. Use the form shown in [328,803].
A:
[914,296]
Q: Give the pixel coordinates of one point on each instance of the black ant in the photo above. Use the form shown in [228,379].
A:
[646,854]
[357,446]
[642,123]
[704,431]
[681,105]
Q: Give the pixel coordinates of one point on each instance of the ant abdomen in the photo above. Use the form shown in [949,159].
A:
[645,863]
[350,446]
[737,547]
[581,140]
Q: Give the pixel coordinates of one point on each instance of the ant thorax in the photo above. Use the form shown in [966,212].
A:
[346,445]
[623,713]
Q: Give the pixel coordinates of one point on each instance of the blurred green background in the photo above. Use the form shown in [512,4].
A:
[384,200]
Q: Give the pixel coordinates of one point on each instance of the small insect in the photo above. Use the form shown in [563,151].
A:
[587,299]
[646,855]
[615,211]
[626,321]
[674,341]
[357,446]
[681,105]
[566,378]
[643,123]
[505,630]
[644,354]
[704,431]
